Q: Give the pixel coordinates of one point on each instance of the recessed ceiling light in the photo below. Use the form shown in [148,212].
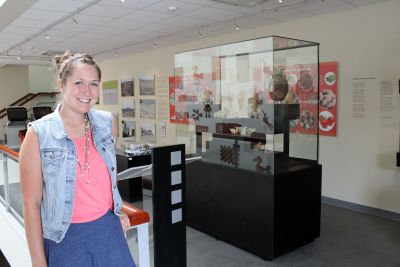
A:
[2,2]
[172,8]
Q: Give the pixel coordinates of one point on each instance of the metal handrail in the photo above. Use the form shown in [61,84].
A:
[6,153]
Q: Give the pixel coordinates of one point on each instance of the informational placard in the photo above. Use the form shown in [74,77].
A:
[328,98]
[361,87]
[388,104]
[162,99]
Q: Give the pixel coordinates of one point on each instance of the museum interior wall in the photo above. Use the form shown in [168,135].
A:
[14,83]
[359,163]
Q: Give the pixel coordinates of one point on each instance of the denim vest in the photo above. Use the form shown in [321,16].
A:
[58,159]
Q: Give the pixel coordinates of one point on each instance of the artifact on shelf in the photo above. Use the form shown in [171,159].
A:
[281,86]
[254,102]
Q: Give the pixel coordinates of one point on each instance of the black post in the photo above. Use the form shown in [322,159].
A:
[169,226]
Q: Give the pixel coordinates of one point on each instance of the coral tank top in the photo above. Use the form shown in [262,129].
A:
[93,195]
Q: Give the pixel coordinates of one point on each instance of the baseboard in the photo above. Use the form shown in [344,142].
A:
[361,208]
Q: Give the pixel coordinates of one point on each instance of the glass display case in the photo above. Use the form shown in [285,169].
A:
[251,105]
[249,109]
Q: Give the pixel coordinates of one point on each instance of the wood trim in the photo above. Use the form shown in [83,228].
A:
[136,216]
[9,151]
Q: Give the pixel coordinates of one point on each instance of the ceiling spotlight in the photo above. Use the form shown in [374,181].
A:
[47,36]
[122,1]
[236,26]
[20,49]
[280,1]
[172,8]
[18,57]
[74,19]
[155,45]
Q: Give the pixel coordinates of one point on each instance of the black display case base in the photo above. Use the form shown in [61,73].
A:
[267,215]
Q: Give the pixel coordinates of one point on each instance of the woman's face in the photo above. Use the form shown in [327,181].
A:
[81,89]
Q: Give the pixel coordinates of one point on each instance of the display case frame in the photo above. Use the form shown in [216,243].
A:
[261,93]
[254,123]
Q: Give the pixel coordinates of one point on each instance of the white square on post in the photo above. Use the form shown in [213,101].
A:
[176,177]
[176,215]
[176,196]
[176,158]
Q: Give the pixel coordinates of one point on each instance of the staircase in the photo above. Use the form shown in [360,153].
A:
[28,101]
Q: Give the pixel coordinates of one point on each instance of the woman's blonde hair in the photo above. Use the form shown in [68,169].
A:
[64,64]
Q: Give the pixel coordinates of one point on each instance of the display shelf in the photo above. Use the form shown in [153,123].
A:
[250,110]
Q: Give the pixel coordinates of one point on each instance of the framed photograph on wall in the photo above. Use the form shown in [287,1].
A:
[148,130]
[148,109]
[128,87]
[110,92]
[147,85]
[128,107]
[128,130]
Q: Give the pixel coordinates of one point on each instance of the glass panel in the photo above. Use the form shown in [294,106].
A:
[14,186]
[2,158]
[251,104]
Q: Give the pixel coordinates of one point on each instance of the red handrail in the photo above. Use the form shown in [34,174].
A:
[136,216]
[9,151]
[25,99]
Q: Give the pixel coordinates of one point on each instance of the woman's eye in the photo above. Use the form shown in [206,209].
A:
[94,85]
[79,83]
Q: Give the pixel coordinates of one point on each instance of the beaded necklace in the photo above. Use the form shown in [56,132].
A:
[84,168]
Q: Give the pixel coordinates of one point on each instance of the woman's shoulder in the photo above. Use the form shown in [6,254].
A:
[43,121]
[100,114]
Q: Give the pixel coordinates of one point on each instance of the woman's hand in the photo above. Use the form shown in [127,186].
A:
[123,218]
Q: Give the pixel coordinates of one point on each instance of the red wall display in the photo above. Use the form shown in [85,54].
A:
[328,90]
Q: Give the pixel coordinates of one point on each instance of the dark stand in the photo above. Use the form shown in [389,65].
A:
[169,211]
[131,189]
[268,215]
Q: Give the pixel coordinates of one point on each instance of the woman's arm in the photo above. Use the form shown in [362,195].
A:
[122,216]
[32,188]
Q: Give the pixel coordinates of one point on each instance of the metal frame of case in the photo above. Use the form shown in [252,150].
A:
[250,109]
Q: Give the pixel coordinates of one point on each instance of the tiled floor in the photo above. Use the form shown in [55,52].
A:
[347,238]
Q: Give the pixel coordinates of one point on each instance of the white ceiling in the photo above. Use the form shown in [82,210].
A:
[107,28]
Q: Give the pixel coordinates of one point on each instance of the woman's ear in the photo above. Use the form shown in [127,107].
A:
[60,86]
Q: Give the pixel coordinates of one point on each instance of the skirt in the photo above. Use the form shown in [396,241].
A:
[99,243]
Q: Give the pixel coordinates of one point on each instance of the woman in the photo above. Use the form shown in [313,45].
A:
[68,177]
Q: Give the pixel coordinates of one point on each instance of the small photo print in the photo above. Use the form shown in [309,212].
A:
[128,87]
[148,130]
[147,85]
[128,108]
[148,109]
[163,129]
[128,129]
[110,92]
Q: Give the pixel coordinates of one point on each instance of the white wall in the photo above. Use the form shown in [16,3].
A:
[14,84]
[358,164]
[41,79]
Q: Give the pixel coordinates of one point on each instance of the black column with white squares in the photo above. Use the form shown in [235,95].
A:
[169,227]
